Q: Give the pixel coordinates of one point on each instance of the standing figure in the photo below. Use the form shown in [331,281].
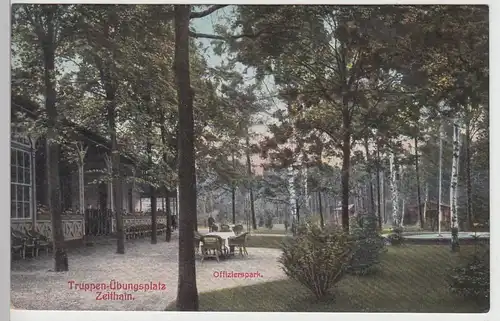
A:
[211,223]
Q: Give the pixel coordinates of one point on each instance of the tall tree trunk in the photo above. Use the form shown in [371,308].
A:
[394,191]
[233,193]
[379,205]
[370,186]
[454,182]
[440,177]
[417,171]
[292,196]
[250,174]
[346,162]
[163,132]
[110,88]
[468,174]
[117,186]
[305,198]
[403,213]
[297,210]
[187,292]
[233,204]
[425,202]
[401,195]
[153,215]
[152,189]
[168,213]
[383,192]
[320,205]
[52,153]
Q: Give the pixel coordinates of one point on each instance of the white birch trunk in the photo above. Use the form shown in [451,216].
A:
[306,200]
[440,214]
[292,195]
[403,213]
[424,214]
[401,195]
[394,192]
[382,194]
[177,203]
[454,175]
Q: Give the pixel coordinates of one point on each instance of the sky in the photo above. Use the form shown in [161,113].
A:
[205,25]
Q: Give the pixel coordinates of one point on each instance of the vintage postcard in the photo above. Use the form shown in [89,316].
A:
[286,158]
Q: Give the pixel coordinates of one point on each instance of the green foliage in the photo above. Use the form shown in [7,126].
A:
[396,236]
[367,247]
[317,258]
[472,281]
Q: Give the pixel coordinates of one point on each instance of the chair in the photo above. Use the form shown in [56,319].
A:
[211,246]
[29,242]
[128,233]
[238,229]
[239,241]
[225,228]
[41,241]
[17,246]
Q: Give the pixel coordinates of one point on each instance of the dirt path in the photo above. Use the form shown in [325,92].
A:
[34,287]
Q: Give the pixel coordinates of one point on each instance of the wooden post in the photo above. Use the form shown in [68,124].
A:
[33,182]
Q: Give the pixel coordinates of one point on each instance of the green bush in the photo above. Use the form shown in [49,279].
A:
[472,281]
[368,245]
[396,236]
[316,258]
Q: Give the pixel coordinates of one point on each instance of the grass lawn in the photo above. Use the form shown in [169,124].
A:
[272,242]
[411,278]
[268,231]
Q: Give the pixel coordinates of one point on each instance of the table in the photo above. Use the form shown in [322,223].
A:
[224,235]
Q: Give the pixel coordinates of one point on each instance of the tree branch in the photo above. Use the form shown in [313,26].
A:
[205,13]
[218,37]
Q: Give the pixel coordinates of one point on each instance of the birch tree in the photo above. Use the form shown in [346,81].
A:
[454,185]
[394,190]
[440,179]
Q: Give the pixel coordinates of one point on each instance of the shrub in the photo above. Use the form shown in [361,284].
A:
[367,246]
[316,258]
[396,236]
[269,222]
[472,281]
[261,221]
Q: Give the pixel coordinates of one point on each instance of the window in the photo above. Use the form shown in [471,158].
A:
[20,183]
